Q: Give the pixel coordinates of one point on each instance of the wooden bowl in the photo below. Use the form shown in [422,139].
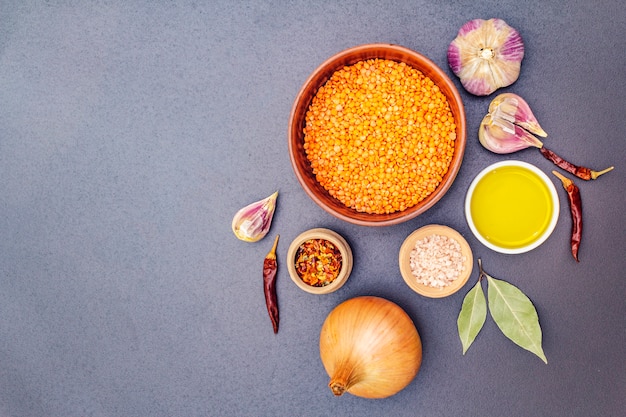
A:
[346,260]
[404,259]
[297,120]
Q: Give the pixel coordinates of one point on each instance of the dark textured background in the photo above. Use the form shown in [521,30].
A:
[132,131]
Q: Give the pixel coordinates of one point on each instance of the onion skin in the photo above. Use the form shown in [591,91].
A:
[370,348]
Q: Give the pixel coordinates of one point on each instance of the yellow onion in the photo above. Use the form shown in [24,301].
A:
[370,348]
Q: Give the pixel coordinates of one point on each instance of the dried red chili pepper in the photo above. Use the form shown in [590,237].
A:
[576,209]
[270,267]
[581,172]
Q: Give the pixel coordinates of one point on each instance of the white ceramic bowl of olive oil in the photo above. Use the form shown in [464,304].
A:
[512,207]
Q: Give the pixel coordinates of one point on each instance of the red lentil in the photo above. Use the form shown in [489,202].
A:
[379,136]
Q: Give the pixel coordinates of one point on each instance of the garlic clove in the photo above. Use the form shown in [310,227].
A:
[252,222]
[486,55]
[515,109]
[502,136]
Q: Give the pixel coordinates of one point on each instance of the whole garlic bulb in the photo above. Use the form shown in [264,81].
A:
[486,55]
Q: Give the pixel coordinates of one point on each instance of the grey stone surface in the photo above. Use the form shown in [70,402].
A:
[132,131]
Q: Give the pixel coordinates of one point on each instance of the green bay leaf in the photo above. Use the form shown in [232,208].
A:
[515,315]
[472,316]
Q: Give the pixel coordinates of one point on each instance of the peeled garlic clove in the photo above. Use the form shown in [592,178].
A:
[252,222]
[486,55]
[502,136]
[513,108]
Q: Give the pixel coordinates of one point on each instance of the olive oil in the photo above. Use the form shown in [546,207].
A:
[511,207]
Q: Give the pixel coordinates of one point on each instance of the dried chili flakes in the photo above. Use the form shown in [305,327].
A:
[318,262]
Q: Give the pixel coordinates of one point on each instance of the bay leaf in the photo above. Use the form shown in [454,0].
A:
[515,315]
[472,316]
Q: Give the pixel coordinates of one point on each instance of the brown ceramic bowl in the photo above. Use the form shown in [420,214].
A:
[318,78]
[404,259]
[339,242]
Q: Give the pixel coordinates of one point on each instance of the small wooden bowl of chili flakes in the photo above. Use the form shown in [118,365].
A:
[319,261]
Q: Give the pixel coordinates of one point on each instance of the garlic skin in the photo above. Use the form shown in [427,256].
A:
[370,348]
[486,55]
[252,222]
[509,126]
[515,109]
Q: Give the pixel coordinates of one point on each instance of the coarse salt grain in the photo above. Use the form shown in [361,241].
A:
[437,261]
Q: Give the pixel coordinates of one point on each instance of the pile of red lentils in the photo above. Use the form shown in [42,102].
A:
[379,136]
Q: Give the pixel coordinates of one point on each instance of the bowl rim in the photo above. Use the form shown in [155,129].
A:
[337,240]
[405,269]
[322,73]
[553,195]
